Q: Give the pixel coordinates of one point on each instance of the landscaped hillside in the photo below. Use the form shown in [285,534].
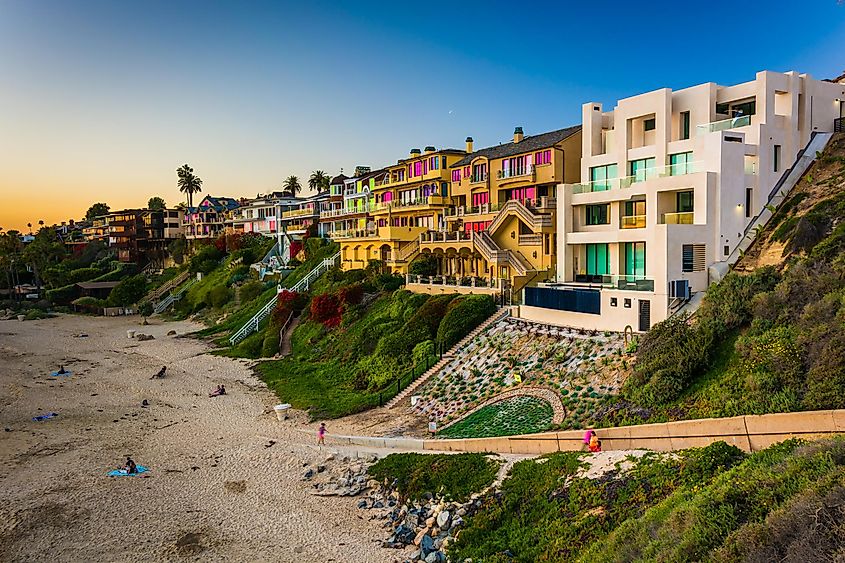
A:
[359,335]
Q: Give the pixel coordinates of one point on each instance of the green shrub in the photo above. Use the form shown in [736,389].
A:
[251,290]
[129,291]
[63,295]
[424,265]
[454,476]
[462,316]
[35,314]
[270,345]
[218,296]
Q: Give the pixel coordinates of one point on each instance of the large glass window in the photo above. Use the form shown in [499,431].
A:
[684,129]
[600,177]
[598,214]
[598,260]
[635,260]
[643,169]
[684,202]
[680,164]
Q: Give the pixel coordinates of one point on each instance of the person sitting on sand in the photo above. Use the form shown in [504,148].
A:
[217,392]
[61,370]
[321,434]
[130,466]
[160,374]
[595,443]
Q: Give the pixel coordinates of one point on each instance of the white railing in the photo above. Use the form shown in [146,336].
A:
[167,286]
[165,303]
[515,172]
[452,281]
[302,285]
[622,182]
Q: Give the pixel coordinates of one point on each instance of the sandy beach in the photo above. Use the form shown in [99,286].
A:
[215,490]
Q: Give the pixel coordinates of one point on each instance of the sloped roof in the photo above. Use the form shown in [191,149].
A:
[221,203]
[98,285]
[527,144]
[339,179]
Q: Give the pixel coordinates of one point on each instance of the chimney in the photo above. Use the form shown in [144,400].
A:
[469,144]
[517,135]
[415,153]
[429,149]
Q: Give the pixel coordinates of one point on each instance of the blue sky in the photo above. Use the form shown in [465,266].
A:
[104,100]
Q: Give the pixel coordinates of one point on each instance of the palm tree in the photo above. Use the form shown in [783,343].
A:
[319,181]
[292,185]
[188,183]
[41,224]
[29,225]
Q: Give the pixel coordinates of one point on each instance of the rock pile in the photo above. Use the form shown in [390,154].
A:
[339,476]
[144,337]
[7,315]
[427,527]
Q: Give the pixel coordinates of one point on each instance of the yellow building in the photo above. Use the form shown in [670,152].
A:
[402,202]
[499,232]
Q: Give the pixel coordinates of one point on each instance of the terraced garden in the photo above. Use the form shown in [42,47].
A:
[582,366]
[519,415]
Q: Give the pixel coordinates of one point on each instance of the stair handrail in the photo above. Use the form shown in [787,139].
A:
[302,285]
[409,250]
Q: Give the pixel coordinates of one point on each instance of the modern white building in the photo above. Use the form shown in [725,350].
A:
[670,182]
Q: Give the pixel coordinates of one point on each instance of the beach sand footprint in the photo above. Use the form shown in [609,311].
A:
[191,543]
[235,486]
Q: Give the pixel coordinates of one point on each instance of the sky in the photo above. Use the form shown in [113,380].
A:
[103,101]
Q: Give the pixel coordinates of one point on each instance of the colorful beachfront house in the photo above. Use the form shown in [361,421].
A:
[297,221]
[499,231]
[351,219]
[332,207]
[260,215]
[402,202]
[672,182]
[207,220]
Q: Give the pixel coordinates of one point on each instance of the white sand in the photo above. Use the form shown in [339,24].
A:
[211,474]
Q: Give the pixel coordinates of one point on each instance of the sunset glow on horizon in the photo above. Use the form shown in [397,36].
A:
[103,101]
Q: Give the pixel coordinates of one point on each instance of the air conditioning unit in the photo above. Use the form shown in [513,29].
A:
[679,289]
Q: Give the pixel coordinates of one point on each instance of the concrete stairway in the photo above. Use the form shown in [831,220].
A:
[447,357]
[285,346]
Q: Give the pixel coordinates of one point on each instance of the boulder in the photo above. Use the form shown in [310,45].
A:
[420,535]
[426,544]
[171,333]
[443,519]
[309,474]
[404,534]
[362,504]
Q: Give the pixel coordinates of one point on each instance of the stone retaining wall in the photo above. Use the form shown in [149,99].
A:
[749,433]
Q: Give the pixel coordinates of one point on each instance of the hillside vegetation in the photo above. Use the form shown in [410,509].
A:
[715,503]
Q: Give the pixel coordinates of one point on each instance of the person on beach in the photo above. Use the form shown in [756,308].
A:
[61,370]
[595,444]
[588,437]
[217,392]
[160,374]
[130,466]
[321,434]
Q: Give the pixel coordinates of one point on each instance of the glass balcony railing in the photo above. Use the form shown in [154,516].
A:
[677,169]
[515,172]
[721,125]
[626,282]
[680,218]
[633,222]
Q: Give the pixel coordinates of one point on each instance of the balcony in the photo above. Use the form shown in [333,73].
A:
[354,233]
[723,124]
[625,282]
[526,174]
[444,236]
[478,178]
[307,212]
[680,218]
[679,169]
[432,200]
[632,222]
[328,213]
[483,209]
[451,284]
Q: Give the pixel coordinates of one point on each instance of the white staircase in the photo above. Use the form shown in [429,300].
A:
[165,287]
[302,285]
[447,357]
[172,298]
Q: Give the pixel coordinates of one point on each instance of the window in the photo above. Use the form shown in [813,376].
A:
[684,125]
[749,192]
[692,258]
[600,177]
[635,260]
[443,162]
[479,172]
[480,198]
[613,301]
[598,214]
[517,166]
[680,164]
[543,157]
[685,202]
[649,124]
[434,163]
[633,214]
[598,259]
[627,303]
[643,169]
[726,250]
[456,175]
[776,158]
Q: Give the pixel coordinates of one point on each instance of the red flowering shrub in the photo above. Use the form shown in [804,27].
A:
[220,243]
[351,294]
[326,308]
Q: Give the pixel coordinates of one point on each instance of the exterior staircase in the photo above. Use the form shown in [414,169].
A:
[447,357]
[408,252]
[165,287]
[172,298]
[537,221]
[302,285]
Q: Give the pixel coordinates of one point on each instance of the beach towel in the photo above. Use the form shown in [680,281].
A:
[57,374]
[47,416]
[123,473]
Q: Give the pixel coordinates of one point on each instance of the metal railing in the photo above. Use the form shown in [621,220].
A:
[165,303]
[444,236]
[453,281]
[302,285]
[408,251]
[165,287]
[722,124]
[839,125]
[478,178]
[515,172]
[627,282]
[300,212]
